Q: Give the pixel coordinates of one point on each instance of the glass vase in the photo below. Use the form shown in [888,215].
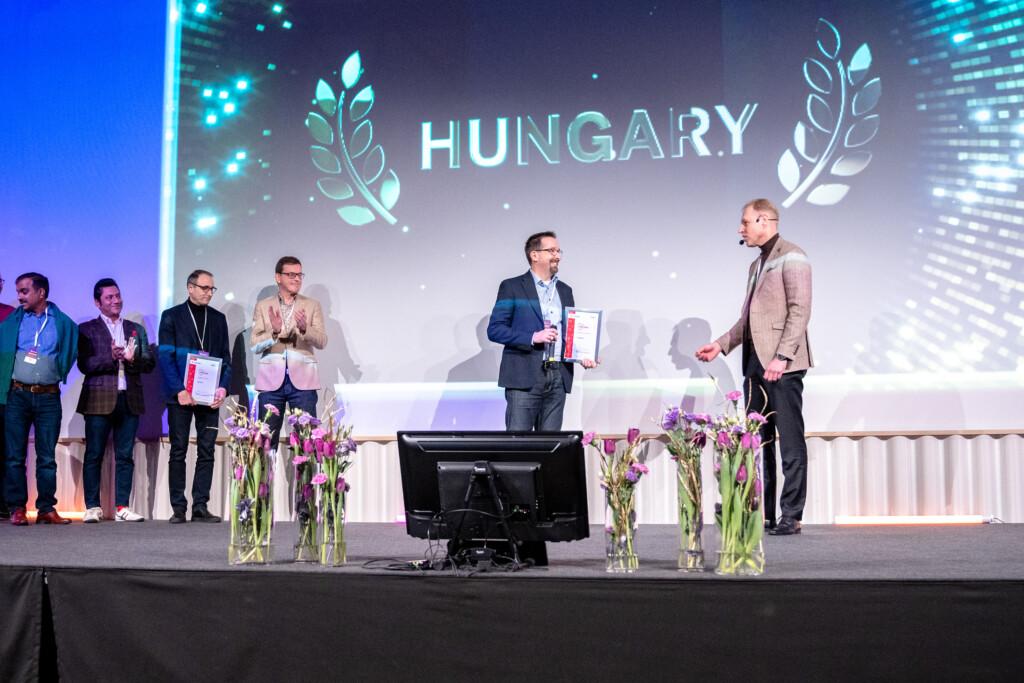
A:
[740,519]
[252,514]
[691,515]
[307,547]
[620,528]
[332,549]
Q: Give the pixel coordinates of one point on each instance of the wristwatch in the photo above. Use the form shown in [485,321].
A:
[779,356]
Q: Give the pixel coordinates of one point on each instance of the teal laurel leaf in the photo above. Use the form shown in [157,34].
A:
[335,188]
[389,190]
[361,103]
[351,70]
[818,76]
[324,159]
[819,113]
[374,165]
[789,171]
[828,39]
[356,215]
[851,164]
[862,132]
[868,97]
[806,142]
[361,138]
[860,64]
[320,129]
[325,98]
[827,195]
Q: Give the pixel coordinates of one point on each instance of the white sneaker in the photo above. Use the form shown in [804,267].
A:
[126,515]
[93,515]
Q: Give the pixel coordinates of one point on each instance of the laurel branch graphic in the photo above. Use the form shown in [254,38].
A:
[840,120]
[368,191]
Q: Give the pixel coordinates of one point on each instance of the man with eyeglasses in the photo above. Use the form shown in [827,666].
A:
[526,319]
[38,347]
[286,329]
[772,331]
[192,327]
[5,513]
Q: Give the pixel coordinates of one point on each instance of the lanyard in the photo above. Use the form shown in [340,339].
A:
[206,318]
[46,319]
[285,319]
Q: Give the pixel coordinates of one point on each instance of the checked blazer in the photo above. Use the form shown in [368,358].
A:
[99,389]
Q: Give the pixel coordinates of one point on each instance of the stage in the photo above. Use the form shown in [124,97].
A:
[158,601]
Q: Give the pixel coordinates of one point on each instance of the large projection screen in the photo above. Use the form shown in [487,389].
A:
[404,150]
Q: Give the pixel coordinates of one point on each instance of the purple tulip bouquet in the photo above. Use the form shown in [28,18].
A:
[321,453]
[687,435]
[737,444]
[252,484]
[620,473]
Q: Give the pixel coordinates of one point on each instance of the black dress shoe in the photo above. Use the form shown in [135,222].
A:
[178,517]
[203,515]
[769,524]
[787,526]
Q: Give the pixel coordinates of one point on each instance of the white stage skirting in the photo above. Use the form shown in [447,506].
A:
[860,475]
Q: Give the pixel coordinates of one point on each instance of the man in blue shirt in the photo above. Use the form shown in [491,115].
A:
[525,319]
[38,347]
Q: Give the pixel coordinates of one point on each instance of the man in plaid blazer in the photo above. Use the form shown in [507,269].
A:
[772,330]
[112,354]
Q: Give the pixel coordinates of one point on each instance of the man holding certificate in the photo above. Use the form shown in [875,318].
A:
[526,319]
[195,362]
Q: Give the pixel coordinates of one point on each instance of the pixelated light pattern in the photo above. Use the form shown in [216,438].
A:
[966,310]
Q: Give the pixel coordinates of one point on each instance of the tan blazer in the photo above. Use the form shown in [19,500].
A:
[291,348]
[779,310]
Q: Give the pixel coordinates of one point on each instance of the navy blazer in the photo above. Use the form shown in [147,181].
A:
[514,319]
[178,338]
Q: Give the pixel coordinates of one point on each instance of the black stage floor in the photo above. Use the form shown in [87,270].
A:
[159,602]
[956,553]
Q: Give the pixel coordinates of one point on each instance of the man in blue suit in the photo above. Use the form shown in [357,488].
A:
[526,320]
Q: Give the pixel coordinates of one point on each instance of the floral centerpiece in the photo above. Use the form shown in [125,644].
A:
[321,452]
[737,444]
[686,439]
[252,469]
[620,473]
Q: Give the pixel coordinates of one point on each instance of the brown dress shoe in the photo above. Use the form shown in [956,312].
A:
[18,517]
[51,517]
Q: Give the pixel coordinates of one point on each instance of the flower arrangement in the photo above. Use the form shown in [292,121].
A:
[252,468]
[687,436]
[737,444]
[620,473]
[321,453]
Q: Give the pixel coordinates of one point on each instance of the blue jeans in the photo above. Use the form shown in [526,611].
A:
[3,463]
[24,411]
[97,430]
[286,393]
[538,409]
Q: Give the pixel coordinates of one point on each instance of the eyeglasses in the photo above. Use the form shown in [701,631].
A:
[299,276]
[206,289]
[747,224]
[554,251]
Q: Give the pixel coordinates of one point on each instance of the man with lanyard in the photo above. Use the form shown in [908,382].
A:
[192,327]
[286,328]
[5,513]
[526,319]
[38,346]
[112,354]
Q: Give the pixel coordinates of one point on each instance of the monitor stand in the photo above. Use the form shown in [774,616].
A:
[480,552]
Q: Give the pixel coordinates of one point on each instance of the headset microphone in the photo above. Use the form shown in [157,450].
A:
[742,242]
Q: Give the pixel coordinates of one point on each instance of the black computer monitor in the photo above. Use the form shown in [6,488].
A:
[480,488]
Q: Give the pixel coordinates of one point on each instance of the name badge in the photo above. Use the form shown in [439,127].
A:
[32,356]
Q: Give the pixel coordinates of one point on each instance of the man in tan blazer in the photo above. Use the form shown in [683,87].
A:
[772,330]
[286,328]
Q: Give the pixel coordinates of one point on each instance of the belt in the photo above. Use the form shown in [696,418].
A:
[36,388]
[551,364]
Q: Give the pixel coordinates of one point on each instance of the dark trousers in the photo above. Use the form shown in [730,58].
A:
[26,410]
[179,425]
[304,399]
[539,408]
[97,430]
[3,463]
[785,403]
